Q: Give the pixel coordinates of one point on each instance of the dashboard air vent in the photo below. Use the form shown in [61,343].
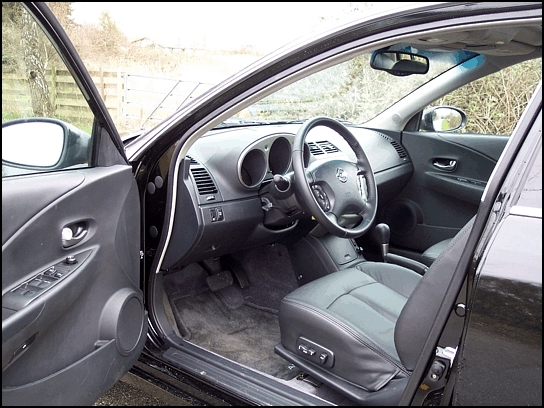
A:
[314,149]
[399,149]
[203,180]
[323,147]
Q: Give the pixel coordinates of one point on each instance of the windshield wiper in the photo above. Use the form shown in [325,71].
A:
[235,122]
[238,122]
[287,122]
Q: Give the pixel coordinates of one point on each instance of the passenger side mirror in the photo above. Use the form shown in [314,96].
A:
[399,63]
[443,119]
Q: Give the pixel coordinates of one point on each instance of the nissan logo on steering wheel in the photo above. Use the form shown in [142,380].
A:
[341,175]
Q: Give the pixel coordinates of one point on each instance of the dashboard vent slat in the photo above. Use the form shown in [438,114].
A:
[314,149]
[328,147]
[322,147]
[203,180]
[193,161]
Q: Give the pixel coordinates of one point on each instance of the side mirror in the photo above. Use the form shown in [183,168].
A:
[399,63]
[42,144]
[443,119]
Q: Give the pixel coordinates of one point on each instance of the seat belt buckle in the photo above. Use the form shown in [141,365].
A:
[440,367]
[431,389]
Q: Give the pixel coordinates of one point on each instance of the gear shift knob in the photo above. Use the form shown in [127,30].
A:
[382,234]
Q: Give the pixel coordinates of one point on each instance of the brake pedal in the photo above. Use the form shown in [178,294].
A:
[219,281]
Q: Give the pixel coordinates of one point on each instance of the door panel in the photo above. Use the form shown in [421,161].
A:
[450,175]
[70,333]
[20,201]
[73,316]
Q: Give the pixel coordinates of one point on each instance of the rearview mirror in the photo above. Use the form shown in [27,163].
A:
[399,63]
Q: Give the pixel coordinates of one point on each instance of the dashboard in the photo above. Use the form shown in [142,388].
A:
[226,192]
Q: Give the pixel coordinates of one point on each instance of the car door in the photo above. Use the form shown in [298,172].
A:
[450,174]
[452,167]
[73,316]
[506,298]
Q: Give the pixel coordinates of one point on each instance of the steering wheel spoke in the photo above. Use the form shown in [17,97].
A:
[321,197]
[362,188]
[332,217]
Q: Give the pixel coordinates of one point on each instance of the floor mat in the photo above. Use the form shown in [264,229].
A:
[270,275]
[246,335]
[241,324]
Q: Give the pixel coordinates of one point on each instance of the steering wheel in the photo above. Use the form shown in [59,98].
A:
[330,189]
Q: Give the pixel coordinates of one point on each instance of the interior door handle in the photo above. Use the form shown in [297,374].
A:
[445,164]
[73,234]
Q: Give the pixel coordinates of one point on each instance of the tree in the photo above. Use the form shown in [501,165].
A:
[63,13]
[11,11]
[111,38]
[35,68]
[11,23]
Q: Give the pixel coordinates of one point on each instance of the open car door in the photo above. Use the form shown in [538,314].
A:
[73,316]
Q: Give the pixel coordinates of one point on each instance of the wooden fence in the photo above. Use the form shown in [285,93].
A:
[133,101]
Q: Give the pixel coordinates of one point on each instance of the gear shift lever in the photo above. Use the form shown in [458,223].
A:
[382,234]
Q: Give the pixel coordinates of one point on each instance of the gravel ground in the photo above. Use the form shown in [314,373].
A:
[131,390]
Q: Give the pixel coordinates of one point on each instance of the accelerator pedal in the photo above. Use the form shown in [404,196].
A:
[233,265]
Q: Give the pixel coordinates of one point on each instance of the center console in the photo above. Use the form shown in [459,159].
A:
[317,255]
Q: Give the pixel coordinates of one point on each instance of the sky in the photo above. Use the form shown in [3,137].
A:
[264,25]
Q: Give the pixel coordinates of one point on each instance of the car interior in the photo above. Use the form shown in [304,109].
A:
[315,250]
[303,233]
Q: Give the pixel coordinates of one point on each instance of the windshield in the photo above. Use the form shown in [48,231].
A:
[352,91]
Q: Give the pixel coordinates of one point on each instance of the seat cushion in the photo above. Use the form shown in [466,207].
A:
[433,252]
[349,318]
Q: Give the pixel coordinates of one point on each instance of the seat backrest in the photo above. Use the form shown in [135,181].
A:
[419,313]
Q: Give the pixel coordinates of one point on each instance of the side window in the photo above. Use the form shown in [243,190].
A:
[494,104]
[46,121]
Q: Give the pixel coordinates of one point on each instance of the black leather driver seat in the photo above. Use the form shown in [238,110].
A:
[361,330]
